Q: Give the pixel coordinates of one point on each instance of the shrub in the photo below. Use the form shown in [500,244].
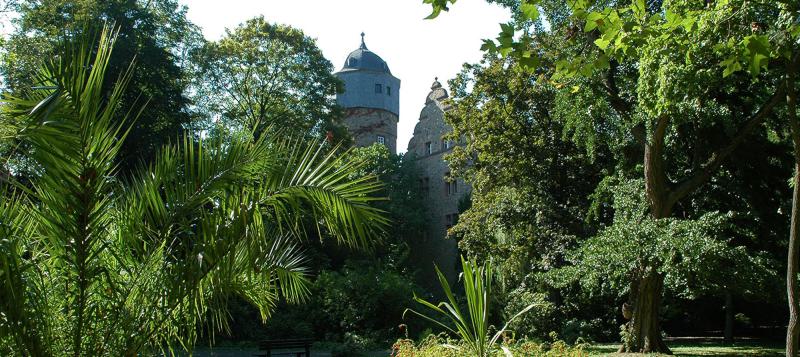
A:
[363,300]
[537,323]
[443,346]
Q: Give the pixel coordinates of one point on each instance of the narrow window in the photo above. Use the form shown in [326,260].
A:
[381,140]
[429,148]
[450,184]
[423,185]
[446,144]
[378,88]
[388,91]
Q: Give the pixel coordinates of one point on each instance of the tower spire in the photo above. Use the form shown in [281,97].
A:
[363,45]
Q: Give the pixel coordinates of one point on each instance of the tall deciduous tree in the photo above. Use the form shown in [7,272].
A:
[671,75]
[262,74]
[156,33]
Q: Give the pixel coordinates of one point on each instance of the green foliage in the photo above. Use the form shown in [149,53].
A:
[268,75]
[156,33]
[534,210]
[618,30]
[691,348]
[472,326]
[437,7]
[96,264]
[608,74]
[442,346]
[693,254]
[358,306]
[404,204]
[538,322]
[356,299]
[362,299]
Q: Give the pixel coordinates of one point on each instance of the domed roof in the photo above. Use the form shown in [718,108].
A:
[437,95]
[364,59]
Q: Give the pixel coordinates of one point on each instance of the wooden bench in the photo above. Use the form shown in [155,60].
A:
[294,347]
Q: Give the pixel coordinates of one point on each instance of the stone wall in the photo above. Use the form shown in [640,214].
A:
[366,124]
[442,194]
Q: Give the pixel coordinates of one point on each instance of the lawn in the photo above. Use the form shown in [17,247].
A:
[715,348]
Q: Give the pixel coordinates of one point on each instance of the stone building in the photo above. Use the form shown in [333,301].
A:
[443,193]
[371,99]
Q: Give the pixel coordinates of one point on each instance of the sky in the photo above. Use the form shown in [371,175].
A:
[415,49]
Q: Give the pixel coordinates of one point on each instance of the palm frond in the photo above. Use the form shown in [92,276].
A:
[20,316]
[322,184]
[97,265]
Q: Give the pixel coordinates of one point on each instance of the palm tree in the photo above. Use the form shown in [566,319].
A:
[95,264]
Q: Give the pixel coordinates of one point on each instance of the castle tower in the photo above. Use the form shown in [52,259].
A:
[371,98]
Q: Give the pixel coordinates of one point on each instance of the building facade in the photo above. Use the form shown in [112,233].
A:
[371,99]
[371,102]
[443,194]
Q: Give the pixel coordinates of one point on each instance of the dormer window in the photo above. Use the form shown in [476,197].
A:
[378,88]
[353,62]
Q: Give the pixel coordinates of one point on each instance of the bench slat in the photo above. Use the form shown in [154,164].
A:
[297,346]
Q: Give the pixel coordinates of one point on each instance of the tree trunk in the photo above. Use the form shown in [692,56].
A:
[644,328]
[793,330]
[643,331]
[728,333]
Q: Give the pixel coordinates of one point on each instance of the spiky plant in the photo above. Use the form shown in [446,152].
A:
[92,264]
[472,325]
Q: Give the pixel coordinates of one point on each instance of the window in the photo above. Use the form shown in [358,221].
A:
[446,144]
[428,148]
[381,140]
[424,186]
[450,185]
[378,88]
[388,90]
[451,220]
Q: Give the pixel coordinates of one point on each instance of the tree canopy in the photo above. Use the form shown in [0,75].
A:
[262,74]
[155,33]
[670,90]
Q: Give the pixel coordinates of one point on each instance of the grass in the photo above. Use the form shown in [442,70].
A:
[702,348]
